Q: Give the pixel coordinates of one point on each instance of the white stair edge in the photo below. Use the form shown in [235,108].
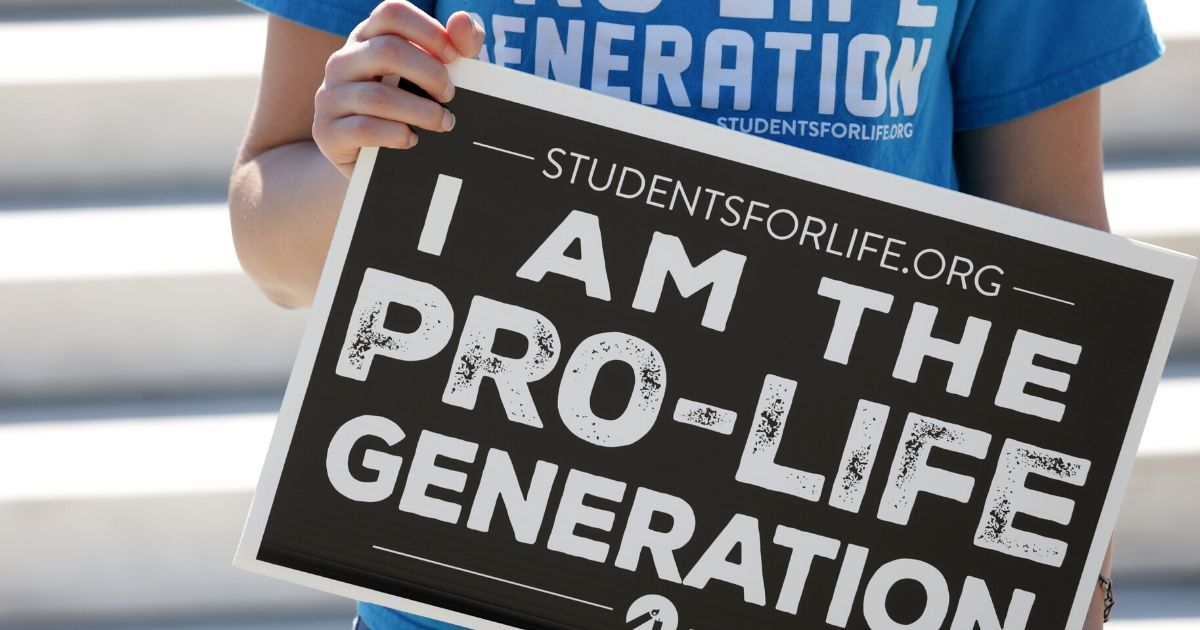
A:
[113,243]
[1150,202]
[99,459]
[1174,425]
[149,282]
[1175,19]
[132,49]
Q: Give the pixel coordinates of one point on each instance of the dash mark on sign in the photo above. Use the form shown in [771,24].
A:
[488,146]
[491,577]
[705,416]
[1044,296]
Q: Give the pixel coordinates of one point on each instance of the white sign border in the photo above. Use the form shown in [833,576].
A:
[699,136]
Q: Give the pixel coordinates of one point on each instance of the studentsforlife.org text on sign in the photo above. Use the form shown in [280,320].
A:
[580,364]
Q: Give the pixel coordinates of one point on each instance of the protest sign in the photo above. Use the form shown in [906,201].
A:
[583,364]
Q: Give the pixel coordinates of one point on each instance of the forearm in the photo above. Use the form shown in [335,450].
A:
[320,101]
[284,204]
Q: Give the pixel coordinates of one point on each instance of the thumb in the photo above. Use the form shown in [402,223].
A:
[465,33]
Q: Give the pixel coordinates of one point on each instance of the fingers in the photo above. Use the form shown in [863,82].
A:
[386,55]
[340,140]
[371,131]
[397,17]
[466,34]
[384,101]
[353,109]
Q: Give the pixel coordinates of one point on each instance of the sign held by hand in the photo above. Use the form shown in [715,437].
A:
[582,364]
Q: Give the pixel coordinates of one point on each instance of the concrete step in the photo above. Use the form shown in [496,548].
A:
[1159,204]
[154,101]
[134,517]
[1156,531]
[133,301]
[164,488]
[1152,111]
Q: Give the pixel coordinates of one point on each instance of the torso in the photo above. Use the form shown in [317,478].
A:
[869,83]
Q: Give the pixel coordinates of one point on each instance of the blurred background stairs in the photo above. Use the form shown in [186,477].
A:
[112,213]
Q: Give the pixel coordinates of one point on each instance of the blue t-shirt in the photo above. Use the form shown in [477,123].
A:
[883,83]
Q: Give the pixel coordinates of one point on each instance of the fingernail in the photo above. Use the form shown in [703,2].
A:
[478,24]
[413,142]
[450,54]
[448,93]
[447,120]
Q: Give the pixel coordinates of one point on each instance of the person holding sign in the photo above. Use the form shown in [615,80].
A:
[997,99]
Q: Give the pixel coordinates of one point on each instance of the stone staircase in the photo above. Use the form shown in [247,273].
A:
[112,174]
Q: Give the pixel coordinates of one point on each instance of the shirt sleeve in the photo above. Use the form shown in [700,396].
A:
[332,16]
[1014,58]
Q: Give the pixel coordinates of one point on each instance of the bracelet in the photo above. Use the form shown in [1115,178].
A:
[1106,585]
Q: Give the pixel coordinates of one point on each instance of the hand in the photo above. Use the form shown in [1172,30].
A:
[354,109]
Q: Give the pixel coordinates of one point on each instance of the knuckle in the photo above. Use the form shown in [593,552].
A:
[390,47]
[336,62]
[375,96]
[394,9]
[359,129]
[322,97]
[321,133]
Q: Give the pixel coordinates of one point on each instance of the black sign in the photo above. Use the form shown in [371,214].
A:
[581,364]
